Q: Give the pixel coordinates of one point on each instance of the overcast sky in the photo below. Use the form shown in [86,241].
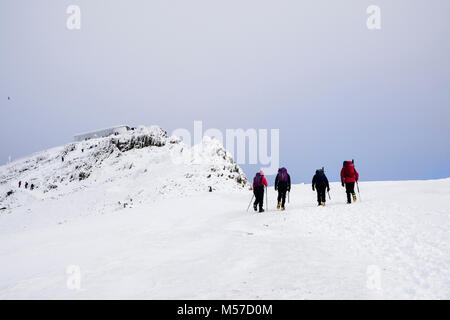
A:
[312,69]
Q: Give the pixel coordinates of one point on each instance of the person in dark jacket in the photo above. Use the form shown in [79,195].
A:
[282,185]
[259,183]
[349,176]
[320,184]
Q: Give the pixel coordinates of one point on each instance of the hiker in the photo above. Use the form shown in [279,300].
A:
[20,183]
[320,183]
[282,185]
[349,176]
[32,187]
[62,159]
[26,185]
[259,182]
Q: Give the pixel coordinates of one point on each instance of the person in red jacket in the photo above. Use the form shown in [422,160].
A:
[349,176]
[259,182]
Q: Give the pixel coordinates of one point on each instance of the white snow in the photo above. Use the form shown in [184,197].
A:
[175,240]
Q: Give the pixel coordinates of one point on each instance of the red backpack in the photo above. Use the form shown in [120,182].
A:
[349,170]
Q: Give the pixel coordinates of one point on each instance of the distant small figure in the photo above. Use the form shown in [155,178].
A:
[26,185]
[9,98]
[82,150]
[20,183]
[32,187]
[62,159]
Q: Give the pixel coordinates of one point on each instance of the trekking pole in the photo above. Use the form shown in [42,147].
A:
[267,201]
[329,195]
[250,202]
[357,185]
[288,196]
[359,194]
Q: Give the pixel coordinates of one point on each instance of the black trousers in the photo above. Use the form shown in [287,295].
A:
[321,194]
[259,197]
[350,189]
[282,195]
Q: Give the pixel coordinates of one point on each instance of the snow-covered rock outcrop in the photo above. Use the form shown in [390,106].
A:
[141,164]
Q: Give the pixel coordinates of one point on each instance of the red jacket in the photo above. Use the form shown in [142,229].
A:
[264,181]
[349,173]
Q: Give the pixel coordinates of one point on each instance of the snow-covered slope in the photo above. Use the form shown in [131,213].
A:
[182,241]
[117,172]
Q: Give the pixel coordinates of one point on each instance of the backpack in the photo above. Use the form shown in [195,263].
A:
[283,175]
[349,170]
[257,180]
[320,178]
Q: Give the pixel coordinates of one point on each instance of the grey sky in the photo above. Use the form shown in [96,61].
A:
[335,89]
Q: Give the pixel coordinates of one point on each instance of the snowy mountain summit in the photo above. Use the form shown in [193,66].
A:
[122,170]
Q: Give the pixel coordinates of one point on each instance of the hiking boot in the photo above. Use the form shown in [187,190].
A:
[283,208]
[255,207]
[323,204]
[349,202]
[261,210]
[278,205]
[354,197]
